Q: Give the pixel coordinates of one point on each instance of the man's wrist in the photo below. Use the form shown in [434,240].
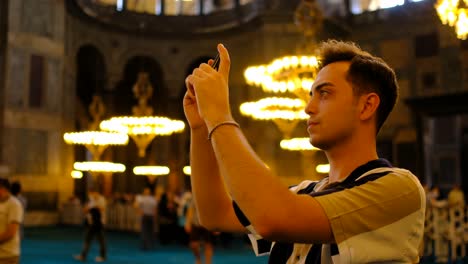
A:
[210,124]
[199,131]
[224,123]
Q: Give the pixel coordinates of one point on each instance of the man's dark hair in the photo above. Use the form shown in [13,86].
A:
[366,73]
[5,183]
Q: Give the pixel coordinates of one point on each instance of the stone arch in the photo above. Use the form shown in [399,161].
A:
[91,76]
[123,100]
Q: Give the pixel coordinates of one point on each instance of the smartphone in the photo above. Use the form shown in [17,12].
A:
[216,61]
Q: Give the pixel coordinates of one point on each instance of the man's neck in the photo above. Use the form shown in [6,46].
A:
[348,157]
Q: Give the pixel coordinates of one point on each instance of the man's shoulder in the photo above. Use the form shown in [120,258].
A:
[405,175]
[394,172]
[406,181]
[306,186]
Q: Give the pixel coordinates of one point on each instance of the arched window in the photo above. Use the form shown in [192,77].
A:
[360,6]
[91,73]
[173,7]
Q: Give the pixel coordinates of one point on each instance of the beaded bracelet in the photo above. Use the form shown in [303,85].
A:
[231,123]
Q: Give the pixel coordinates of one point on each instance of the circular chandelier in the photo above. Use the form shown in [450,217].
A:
[95,141]
[271,108]
[151,170]
[455,14]
[284,112]
[143,129]
[99,166]
[95,138]
[145,125]
[293,74]
[297,144]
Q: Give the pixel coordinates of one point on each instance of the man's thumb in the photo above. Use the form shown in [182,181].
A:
[225,63]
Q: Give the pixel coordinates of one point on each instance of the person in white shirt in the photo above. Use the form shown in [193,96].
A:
[11,216]
[146,207]
[95,211]
[456,197]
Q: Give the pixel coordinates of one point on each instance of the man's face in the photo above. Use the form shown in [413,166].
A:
[332,107]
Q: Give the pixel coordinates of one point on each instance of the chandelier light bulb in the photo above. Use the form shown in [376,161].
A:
[95,138]
[76,174]
[297,144]
[131,125]
[287,74]
[455,14]
[187,170]
[151,170]
[323,168]
[143,129]
[275,108]
[99,166]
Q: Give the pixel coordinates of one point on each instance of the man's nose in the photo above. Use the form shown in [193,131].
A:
[311,107]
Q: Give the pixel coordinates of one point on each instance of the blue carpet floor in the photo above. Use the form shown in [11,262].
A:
[51,245]
[57,245]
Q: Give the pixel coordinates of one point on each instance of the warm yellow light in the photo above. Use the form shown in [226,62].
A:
[145,125]
[287,74]
[151,170]
[275,108]
[99,166]
[462,24]
[143,129]
[95,138]
[76,174]
[296,144]
[455,14]
[187,170]
[323,168]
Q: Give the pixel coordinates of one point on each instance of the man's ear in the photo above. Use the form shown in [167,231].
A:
[369,104]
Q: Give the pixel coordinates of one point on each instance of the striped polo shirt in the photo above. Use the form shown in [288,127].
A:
[376,215]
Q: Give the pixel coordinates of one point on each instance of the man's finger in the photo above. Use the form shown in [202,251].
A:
[225,63]
[200,72]
[189,98]
[206,68]
[192,80]
[189,85]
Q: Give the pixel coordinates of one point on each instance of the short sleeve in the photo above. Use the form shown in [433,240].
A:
[16,213]
[387,212]
[261,246]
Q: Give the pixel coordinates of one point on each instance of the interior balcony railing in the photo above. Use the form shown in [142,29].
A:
[169,16]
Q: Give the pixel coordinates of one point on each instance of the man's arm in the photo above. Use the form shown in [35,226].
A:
[9,232]
[214,204]
[276,213]
[273,211]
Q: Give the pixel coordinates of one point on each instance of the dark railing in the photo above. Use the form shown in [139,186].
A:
[216,21]
[41,201]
